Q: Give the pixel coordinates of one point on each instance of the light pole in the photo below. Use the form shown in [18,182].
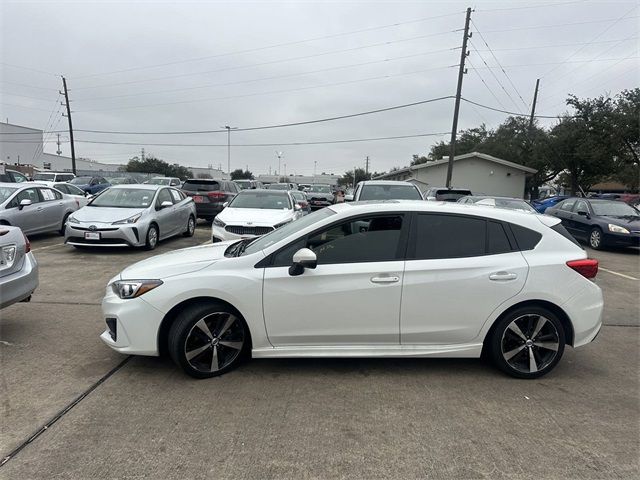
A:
[229,148]
[279,155]
[315,164]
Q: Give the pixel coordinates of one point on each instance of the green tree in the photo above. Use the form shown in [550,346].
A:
[153,164]
[347,178]
[239,174]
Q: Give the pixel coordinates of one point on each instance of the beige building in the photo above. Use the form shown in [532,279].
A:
[481,173]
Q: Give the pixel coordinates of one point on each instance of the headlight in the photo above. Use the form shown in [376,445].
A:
[281,224]
[133,219]
[72,220]
[218,223]
[617,229]
[133,288]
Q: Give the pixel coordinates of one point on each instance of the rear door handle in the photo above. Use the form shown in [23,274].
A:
[39,209]
[502,276]
[390,279]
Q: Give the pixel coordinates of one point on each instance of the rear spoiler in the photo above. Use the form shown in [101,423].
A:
[548,220]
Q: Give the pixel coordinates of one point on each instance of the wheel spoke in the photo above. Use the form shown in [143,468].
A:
[548,345]
[214,359]
[512,353]
[533,366]
[202,325]
[230,321]
[515,329]
[196,351]
[235,345]
[540,323]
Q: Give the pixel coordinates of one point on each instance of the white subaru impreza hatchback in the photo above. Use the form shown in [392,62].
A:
[391,279]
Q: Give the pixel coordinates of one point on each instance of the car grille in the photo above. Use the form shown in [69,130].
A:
[242,230]
[86,229]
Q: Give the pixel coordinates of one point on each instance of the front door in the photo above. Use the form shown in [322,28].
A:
[459,269]
[352,297]
[581,224]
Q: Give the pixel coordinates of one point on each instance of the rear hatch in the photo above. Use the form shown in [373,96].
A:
[204,191]
[451,195]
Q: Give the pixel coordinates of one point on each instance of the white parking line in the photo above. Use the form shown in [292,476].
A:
[628,277]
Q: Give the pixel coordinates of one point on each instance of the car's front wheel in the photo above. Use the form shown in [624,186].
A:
[152,237]
[595,238]
[527,343]
[207,340]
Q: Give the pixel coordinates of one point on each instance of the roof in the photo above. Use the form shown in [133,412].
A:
[137,186]
[457,158]
[385,182]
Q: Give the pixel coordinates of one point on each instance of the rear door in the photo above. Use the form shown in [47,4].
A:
[459,269]
[53,209]
[182,210]
[564,211]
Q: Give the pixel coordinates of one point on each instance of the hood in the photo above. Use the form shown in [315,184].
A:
[254,216]
[176,262]
[628,221]
[105,214]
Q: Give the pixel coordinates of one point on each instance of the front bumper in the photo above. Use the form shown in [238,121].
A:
[621,239]
[132,325]
[126,235]
[19,285]
[222,234]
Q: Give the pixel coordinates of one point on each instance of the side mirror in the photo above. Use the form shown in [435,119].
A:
[297,207]
[24,203]
[166,204]
[303,258]
[582,213]
[225,204]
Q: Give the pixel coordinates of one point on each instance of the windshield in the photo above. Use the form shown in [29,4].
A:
[320,189]
[159,181]
[243,184]
[278,186]
[289,229]
[261,200]
[5,192]
[613,209]
[124,198]
[81,180]
[49,177]
[389,192]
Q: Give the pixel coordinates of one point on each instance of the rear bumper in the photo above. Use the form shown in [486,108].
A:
[19,285]
[208,210]
[585,312]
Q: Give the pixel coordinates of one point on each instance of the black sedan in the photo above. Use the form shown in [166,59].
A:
[599,222]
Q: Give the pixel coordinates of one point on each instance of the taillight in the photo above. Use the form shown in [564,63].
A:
[216,194]
[27,247]
[588,267]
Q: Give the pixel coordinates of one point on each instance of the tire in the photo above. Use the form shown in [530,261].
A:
[596,240]
[64,222]
[191,227]
[151,241]
[208,339]
[519,335]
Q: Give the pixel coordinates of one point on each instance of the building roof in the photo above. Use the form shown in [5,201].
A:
[466,156]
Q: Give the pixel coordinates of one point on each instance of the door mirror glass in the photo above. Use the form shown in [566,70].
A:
[25,202]
[166,204]
[303,258]
[583,213]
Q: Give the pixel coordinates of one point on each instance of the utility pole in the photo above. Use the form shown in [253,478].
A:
[73,148]
[279,155]
[354,178]
[59,151]
[315,164]
[533,106]
[142,154]
[229,148]
[366,168]
[456,110]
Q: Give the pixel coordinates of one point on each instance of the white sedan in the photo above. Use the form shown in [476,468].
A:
[252,213]
[392,279]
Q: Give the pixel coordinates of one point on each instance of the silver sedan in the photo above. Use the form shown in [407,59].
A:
[18,267]
[35,208]
[132,216]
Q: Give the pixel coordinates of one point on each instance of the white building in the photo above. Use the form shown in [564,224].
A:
[310,179]
[480,173]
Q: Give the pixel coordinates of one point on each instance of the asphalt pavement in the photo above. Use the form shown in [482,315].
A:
[311,418]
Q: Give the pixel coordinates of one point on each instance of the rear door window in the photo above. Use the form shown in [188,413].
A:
[449,236]
[567,205]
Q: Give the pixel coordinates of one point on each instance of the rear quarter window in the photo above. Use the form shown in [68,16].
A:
[563,231]
[526,238]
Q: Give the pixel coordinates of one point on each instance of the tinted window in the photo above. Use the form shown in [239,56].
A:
[567,205]
[525,238]
[581,206]
[63,187]
[498,242]
[389,192]
[449,236]
[452,195]
[201,185]
[563,231]
[373,239]
[163,196]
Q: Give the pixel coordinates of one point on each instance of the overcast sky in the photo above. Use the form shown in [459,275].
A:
[175,66]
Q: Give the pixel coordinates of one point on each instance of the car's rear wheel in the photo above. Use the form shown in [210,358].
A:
[152,237]
[595,238]
[527,342]
[207,340]
[191,227]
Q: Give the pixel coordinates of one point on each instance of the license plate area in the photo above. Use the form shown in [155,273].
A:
[92,235]
[198,199]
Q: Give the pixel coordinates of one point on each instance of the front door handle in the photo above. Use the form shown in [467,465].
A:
[39,209]
[391,279]
[503,276]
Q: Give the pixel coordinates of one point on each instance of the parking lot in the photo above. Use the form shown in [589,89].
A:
[313,418]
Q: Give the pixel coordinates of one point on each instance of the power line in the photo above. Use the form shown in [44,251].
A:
[556,45]
[225,145]
[270,62]
[518,114]
[273,77]
[559,4]
[558,63]
[495,76]
[485,84]
[266,47]
[29,86]
[498,62]
[26,96]
[593,39]
[28,68]
[270,92]
[568,24]
[23,106]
